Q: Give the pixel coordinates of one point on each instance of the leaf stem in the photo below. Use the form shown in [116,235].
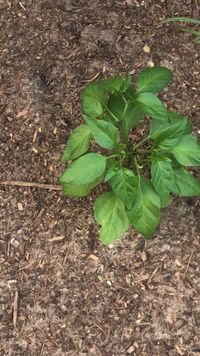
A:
[110,112]
[136,166]
[112,156]
[141,142]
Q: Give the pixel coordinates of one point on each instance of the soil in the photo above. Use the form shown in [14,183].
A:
[61,291]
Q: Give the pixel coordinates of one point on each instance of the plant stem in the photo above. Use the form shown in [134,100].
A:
[136,166]
[112,156]
[141,142]
[110,112]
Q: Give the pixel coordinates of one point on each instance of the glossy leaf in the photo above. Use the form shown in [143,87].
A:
[123,185]
[153,80]
[85,170]
[145,212]
[175,130]
[174,126]
[105,133]
[162,178]
[78,143]
[152,106]
[187,151]
[184,183]
[133,115]
[117,105]
[111,214]
[72,190]
[93,99]
[112,84]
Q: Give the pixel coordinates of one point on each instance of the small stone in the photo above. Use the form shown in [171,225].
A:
[150,64]
[146,49]
[94,257]
[20,206]
[15,243]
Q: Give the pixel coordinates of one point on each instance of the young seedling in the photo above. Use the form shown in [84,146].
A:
[141,172]
[185,29]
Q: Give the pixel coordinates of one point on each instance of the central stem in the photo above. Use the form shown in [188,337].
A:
[141,142]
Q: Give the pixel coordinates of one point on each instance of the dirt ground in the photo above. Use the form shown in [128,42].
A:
[61,291]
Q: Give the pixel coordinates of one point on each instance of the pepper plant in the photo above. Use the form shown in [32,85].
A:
[141,169]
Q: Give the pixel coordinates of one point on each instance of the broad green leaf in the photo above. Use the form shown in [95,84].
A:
[175,125]
[93,99]
[85,170]
[117,105]
[123,185]
[112,168]
[112,84]
[174,130]
[78,143]
[187,151]
[145,212]
[133,115]
[185,184]
[126,83]
[111,214]
[152,106]
[162,178]
[72,190]
[153,80]
[105,133]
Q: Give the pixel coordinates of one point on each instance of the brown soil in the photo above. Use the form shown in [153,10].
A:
[61,292]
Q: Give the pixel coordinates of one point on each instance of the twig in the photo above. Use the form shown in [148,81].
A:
[32,185]
[15,308]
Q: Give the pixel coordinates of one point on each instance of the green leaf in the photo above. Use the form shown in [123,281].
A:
[185,184]
[133,115]
[145,212]
[93,99]
[187,151]
[123,185]
[117,105]
[112,84]
[162,178]
[112,168]
[153,80]
[174,126]
[152,106]
[174,130]
[85,170]
[78,143]
[72,190]
[105,133]
[111,214]
[126,83]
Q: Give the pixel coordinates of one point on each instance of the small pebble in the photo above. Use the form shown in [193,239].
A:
[20,206]
[146,49]
[150,64]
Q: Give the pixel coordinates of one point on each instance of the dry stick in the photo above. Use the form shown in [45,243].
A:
[32,185]
[15,308]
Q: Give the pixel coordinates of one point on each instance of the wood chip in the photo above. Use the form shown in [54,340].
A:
[130,350]
[22,113]
[56,238]
[15,308]
[94,257]
[178,350]
[143,256]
